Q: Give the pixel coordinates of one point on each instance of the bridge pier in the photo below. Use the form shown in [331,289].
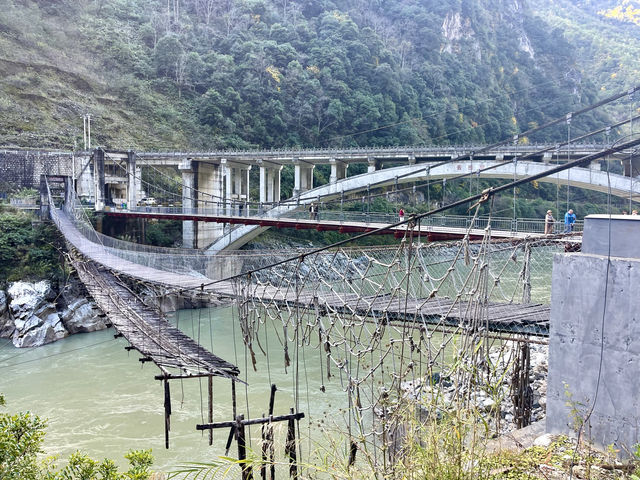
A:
[187,169]
[236,185]
[270,184]
[338,170]
[372,164]
[99,178]
[210,191]
[303,178]
[132,183]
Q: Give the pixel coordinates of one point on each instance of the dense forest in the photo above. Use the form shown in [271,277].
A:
[223,74]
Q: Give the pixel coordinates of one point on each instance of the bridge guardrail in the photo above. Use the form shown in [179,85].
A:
[508,224]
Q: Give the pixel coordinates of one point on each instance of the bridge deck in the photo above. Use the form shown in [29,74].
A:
[530,319]
[149,333]
[527,319]
[432,232]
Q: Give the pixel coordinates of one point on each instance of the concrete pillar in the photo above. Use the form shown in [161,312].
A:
[99,178]
[338,170]
[140,193]
[546,157]
[263,184]
[246,186]
[186,168]
[210,189]
[372,164]
[303,177]
[594,341]
[85,186]
[269,184]
[132,199]
[412,159]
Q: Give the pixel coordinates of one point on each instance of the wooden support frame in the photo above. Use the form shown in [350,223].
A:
[237,430]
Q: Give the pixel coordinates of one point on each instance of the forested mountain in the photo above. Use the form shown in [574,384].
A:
[205,74]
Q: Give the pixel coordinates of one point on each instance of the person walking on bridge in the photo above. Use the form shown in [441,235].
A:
[548,223]
[569,220]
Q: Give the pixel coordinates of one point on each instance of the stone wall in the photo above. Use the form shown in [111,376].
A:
[594,344]
[23,169]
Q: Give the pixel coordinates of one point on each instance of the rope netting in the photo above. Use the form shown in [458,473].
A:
[437,326]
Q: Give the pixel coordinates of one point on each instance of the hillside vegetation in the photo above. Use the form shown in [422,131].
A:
[205,74]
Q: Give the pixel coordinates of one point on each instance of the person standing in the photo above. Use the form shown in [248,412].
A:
[569,220]
[548,223]
[401,214]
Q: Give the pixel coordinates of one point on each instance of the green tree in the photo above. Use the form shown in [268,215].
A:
[21,439]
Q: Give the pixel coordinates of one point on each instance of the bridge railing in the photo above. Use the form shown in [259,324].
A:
[507,224]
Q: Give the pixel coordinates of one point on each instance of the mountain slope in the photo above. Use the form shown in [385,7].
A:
[203,74]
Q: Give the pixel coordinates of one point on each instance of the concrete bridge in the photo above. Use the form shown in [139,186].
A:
[214,179]
[589,178]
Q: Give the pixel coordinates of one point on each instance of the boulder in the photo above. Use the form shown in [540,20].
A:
[3,303]
[43,326]
[35,320]
[26,297]
[83,316]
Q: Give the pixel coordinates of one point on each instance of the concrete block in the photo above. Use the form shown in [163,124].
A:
[594,346]
[623,230]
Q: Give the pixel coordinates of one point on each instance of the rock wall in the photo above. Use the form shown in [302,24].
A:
[34,314]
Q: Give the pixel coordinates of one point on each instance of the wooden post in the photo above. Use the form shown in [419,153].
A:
[167,413]
[210,385]
[352,452]
[247,473]
[290,447]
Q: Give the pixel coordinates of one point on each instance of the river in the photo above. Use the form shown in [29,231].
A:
[101,400]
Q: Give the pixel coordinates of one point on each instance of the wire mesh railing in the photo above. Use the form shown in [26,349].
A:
[508,224]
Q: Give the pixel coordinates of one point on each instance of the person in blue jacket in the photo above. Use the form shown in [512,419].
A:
[569,220]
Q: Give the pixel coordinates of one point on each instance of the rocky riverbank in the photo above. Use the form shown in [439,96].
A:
[491,395]
[34,314]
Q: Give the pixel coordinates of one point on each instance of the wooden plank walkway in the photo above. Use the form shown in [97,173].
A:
[530,319]
[145,329]
[525,319]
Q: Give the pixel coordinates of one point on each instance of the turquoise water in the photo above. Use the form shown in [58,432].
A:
[101,400]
